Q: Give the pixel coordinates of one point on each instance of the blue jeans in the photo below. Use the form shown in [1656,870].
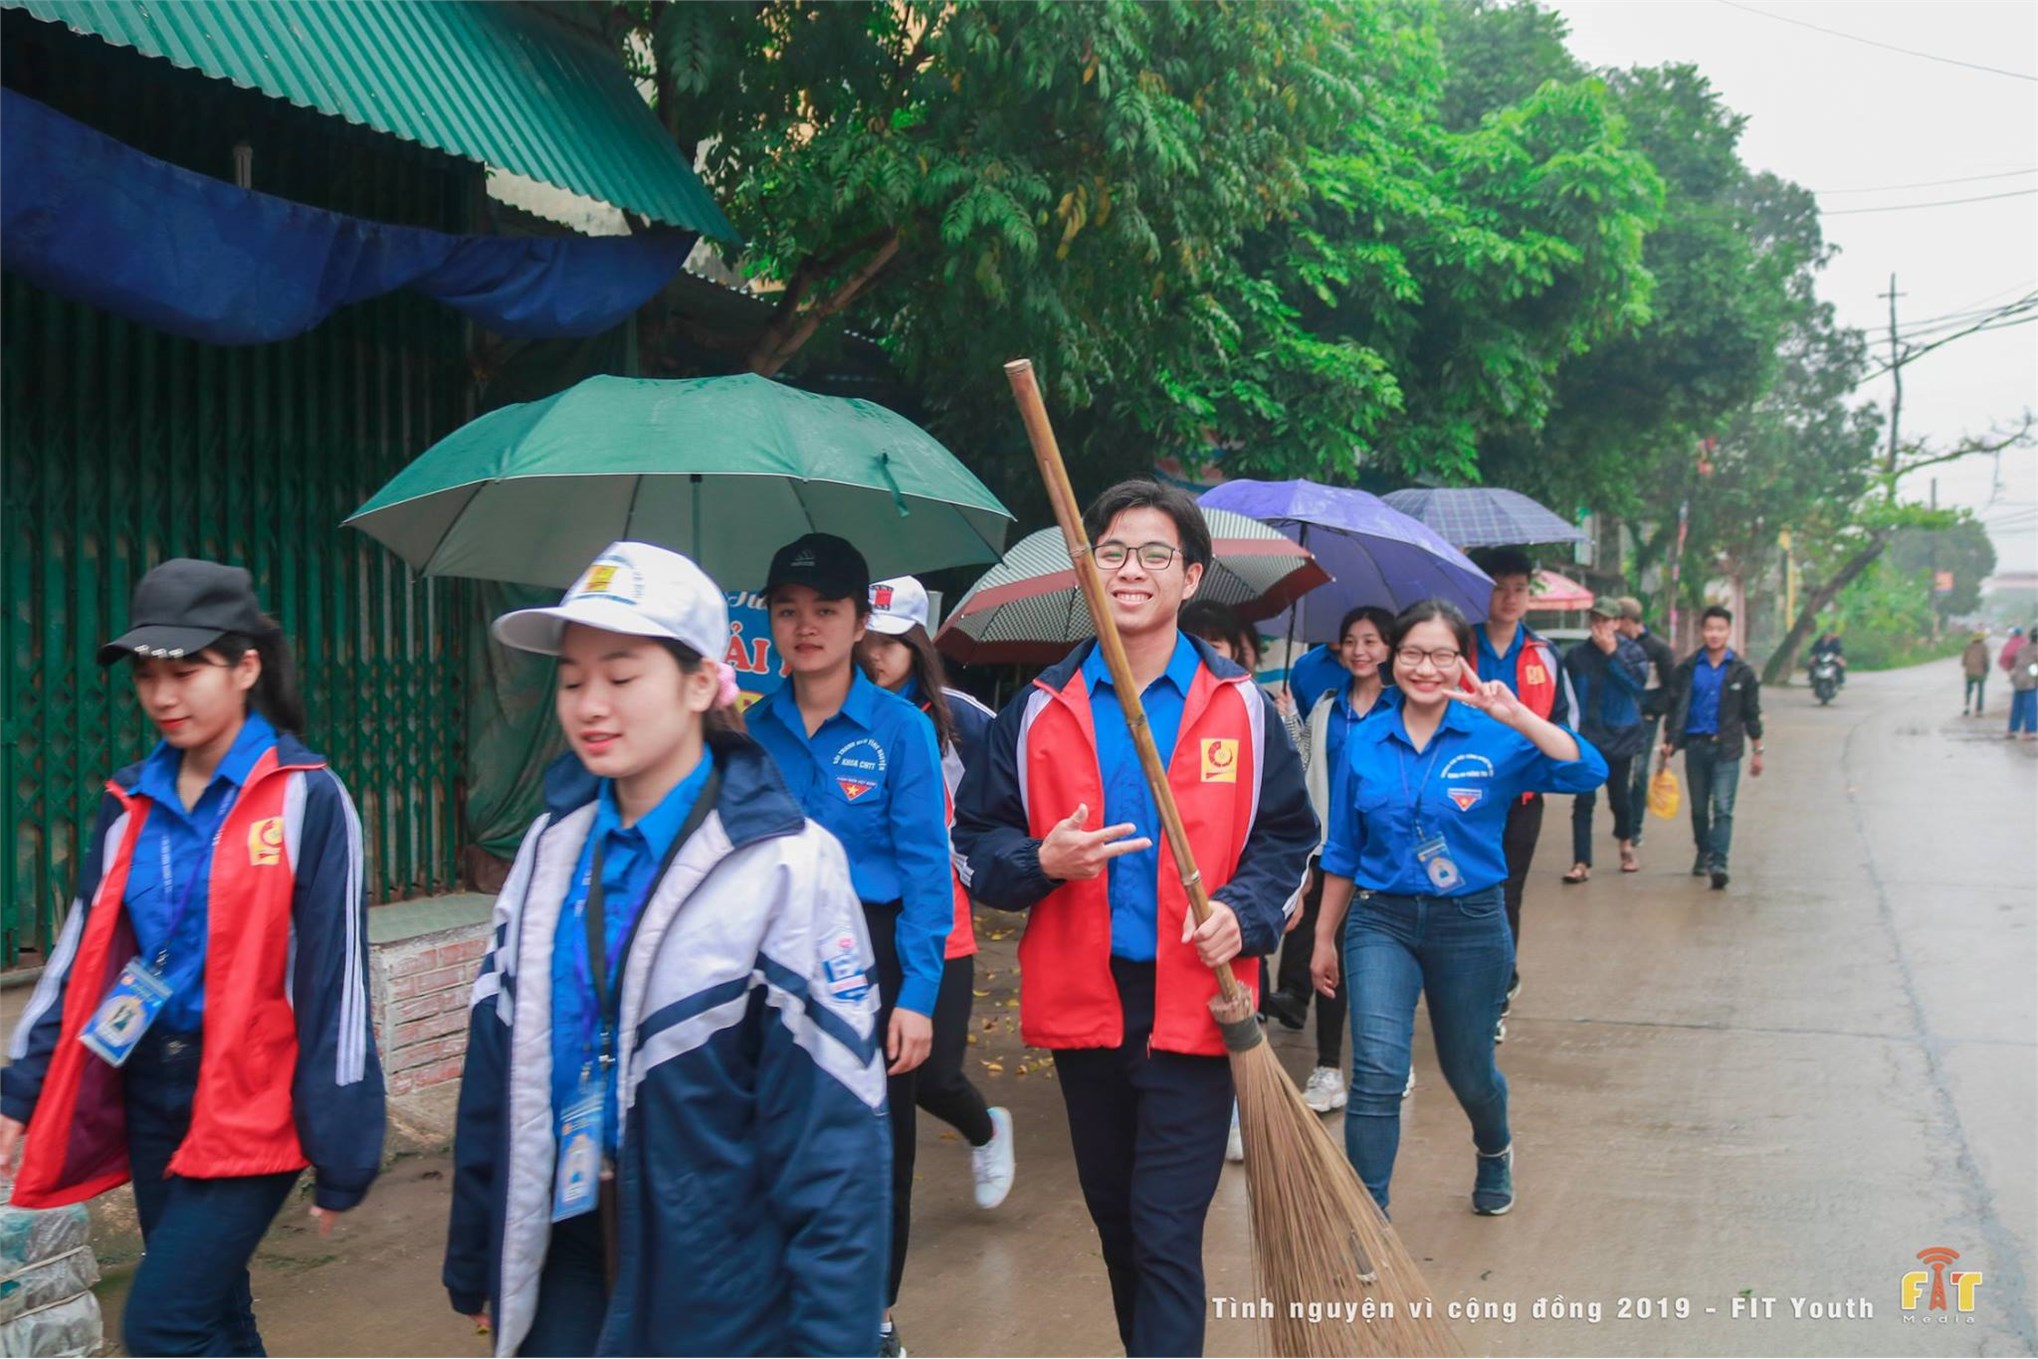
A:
[2024,710]
[1640,790]
[190,1293]
[1714,782]
[1456,951]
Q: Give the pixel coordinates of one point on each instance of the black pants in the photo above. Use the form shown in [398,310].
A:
[883,922]
[941,1087]
[573,1291]
[1619,771]
[1518,843]
[1638,798]
[190,1294]
[1148,1130]
[1297,951]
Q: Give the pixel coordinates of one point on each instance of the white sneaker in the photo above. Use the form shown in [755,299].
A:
[1234,1145]
[1409,1088]
[1325,1091]
[994,1162]
[1500,1031]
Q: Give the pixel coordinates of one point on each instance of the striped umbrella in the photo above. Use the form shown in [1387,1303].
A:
[1028,610]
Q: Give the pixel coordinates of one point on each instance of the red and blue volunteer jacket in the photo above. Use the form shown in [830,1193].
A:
[1238,784]
[288,1074]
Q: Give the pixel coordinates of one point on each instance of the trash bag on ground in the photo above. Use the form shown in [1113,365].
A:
[71,1327]
[29,1236]
[49,1281]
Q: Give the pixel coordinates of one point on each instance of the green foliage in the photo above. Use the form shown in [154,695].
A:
[1887,620]
[1962,548]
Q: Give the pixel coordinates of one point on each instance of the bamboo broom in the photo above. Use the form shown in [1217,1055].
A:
[1319,1239]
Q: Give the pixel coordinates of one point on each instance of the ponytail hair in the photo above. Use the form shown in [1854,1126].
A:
[275,695]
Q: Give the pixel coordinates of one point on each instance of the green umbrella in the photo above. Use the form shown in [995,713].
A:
[723,469]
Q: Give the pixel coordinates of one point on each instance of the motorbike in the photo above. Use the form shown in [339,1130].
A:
[1825,679]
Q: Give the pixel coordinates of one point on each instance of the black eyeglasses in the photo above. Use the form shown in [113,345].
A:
[1443,658]
[1152,556]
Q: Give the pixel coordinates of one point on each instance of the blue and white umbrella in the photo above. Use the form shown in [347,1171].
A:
[1484,516]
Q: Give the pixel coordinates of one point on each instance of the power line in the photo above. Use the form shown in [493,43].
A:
[1940,203]
[1926,184]
[1887,47]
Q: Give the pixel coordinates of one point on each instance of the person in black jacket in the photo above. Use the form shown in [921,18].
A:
[1716,710]
[1607,672]
[1655,700]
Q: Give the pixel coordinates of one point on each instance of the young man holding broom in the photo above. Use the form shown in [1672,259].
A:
[1056,819]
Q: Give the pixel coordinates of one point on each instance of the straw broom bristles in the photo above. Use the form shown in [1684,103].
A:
[1318,1236]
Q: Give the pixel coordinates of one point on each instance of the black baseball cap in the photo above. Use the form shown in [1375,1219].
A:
[183,606]
[830,566]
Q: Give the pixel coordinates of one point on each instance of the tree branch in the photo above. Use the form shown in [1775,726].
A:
[791,327]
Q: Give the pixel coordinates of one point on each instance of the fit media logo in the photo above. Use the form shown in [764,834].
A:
[1930,1284]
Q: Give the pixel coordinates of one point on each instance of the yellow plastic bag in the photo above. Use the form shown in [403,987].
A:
[1664,794]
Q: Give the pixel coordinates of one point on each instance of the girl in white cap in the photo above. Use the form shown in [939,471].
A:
[898,654]
[673,1093]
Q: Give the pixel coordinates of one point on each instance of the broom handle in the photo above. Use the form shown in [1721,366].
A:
[1047,453]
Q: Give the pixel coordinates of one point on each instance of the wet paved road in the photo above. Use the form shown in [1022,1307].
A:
[1783,1091]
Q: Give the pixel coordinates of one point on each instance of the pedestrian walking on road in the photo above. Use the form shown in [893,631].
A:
[1655,702]
[1057,820]
[1418,821]
[1362,643]
[2024,688]
[899,655]
[671,1135]
[1529,666]
[1607,674]
[1715,715]
[865,764]
[202,1025]
[1974,665]
[2008,657]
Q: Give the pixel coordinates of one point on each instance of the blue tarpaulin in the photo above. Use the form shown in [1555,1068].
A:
[94,220]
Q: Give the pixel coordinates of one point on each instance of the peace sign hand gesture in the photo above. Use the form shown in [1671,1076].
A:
[1494,699]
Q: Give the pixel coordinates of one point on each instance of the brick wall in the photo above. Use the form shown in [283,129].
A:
[421,990]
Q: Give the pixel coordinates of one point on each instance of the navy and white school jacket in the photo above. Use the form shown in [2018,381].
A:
[754,1162]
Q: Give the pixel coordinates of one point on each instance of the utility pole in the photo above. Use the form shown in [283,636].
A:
[1896,378]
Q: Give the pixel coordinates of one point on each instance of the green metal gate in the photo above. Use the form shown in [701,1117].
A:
[124,446]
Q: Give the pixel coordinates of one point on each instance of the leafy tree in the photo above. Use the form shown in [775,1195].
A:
[1962,548]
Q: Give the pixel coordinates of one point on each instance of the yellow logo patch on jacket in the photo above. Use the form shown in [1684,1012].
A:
[1220,759]
[265,842]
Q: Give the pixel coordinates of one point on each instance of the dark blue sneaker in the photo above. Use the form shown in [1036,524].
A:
[1493,1191]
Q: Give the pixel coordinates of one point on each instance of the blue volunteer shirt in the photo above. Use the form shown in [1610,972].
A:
[1702,718]
[871,777]
[172,869]
[1388,797]
[1502,666]
[1315,673]
[1343,717]
[1133,880]
[630,859]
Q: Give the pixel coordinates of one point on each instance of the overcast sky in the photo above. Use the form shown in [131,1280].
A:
[1837,116]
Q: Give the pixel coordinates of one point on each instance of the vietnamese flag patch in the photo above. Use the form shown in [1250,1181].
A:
[853,789]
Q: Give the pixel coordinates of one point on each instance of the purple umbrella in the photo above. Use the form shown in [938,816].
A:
[1375,554]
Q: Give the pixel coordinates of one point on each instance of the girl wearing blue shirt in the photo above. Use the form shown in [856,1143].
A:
[1362,647]
[863,763]
[1418,811]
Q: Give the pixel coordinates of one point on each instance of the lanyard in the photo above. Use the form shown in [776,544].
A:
[1401,762]
[607,989]
[184,898]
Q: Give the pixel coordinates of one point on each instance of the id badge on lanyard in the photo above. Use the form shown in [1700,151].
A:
[1432,852]
[576,1182]
[126,1013]
[144,987]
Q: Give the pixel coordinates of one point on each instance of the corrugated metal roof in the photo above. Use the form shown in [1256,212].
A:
[490,82]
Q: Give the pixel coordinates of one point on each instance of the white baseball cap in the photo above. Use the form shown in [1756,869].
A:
[896,605]
[634,589]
